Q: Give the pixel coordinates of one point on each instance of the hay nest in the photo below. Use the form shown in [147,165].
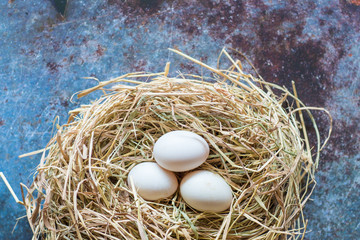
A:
[80,192]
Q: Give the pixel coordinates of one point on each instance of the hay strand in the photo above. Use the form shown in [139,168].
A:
[10,188]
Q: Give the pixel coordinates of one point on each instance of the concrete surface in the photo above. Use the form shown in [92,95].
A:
[315,43]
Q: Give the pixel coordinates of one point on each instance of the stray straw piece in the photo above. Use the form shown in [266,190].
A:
[10,188]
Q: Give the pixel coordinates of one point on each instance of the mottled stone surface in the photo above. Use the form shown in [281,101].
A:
[315,43]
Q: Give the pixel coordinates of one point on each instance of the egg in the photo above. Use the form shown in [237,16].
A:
[206,191]
[180,151]
[152,182]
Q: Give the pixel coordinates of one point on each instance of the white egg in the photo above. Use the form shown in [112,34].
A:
[206,191]
[152,182]
[180,151]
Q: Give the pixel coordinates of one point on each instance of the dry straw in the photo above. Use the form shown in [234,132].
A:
[80,192]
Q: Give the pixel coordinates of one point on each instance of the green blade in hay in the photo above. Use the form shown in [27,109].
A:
[192,226]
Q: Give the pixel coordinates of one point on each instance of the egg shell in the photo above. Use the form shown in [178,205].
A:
[180,151]
[152,182]
[206,191]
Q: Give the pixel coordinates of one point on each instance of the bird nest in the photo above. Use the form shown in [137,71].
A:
[258,146]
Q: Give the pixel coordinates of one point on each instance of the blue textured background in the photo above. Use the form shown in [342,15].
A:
[44,57]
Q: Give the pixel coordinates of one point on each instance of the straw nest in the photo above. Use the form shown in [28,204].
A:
[80,192]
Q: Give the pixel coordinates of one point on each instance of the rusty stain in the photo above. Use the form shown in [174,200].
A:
[56,46]
[64,103]
[53,67]
[100,50]
[140,65]
[69,42]
[280,58]
[355,2]
[137,6]
[84,40]
[300,63]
